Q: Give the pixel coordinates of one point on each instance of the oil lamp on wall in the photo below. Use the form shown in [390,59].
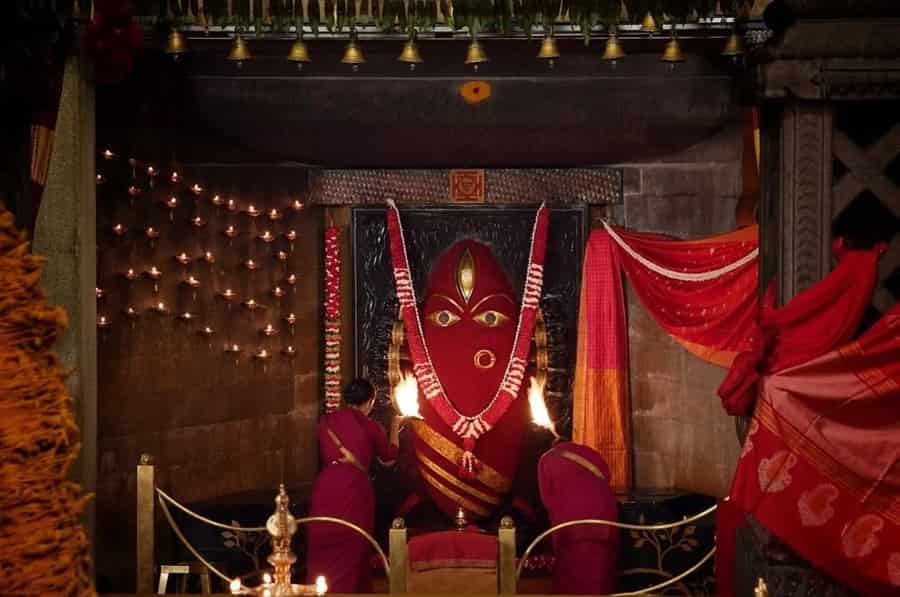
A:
[217,200]
[99,293]
[172,203]
[291,235]
[186,316]
[297,205]
[269,331]
[274,215]
[207,332]
[183,258]
[152,173]
[131,314]
[108,154]
[133,191]
[231,205]
[119,229]
[160,308]
[130,274]
[198,222]
[196,189]
[100,178]
[192,283]
[291,320]
[175,177]
[152,234]
[289,351]
[154,274]
[234,350]
[278,292]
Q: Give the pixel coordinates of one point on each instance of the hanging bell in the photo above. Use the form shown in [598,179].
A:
[613,51]
[239,52]
[299,53]
[648,25]
[353,54]
[175,45]
[549,51]
[734,46]
[475,54]
[410,54]
[673,54]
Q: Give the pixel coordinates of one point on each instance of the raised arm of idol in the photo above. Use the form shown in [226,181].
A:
[406,397]
[539,413]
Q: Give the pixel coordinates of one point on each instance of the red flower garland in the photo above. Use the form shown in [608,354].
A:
[332,318]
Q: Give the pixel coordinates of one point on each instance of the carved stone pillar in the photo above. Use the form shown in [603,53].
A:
[796,209]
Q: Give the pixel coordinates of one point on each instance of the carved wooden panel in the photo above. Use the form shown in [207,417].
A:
[428,233]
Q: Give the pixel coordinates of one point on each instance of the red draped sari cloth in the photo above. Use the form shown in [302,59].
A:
[343,490]
[574,484]
[820,464]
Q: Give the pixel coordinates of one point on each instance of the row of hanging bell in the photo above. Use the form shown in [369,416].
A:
[475,54]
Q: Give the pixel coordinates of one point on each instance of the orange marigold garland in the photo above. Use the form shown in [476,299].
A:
[43,547]
[332,318]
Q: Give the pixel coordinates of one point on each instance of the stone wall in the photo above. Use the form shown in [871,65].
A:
[219,426]
[682,437]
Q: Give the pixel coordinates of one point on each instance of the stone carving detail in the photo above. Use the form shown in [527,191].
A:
[809,226]
[592,186]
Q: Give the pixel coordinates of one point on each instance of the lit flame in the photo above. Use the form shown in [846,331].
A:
[406,397]
[235,586]
[321,586]
[267,578]
[539,413]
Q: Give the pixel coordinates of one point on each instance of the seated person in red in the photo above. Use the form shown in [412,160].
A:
[348,439]
[574,484]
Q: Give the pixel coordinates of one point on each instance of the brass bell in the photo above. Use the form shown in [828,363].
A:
[548,50]
[175,44]
[410,53]
[648,25]
[673,54]
[475,54]
[239,52]
[612,52]
[734,46]
[353,54]
[299,53]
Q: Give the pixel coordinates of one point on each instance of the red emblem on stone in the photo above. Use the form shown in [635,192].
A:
[467,186]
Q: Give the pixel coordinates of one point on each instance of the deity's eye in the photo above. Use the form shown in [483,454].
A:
[491,318]
[443,318]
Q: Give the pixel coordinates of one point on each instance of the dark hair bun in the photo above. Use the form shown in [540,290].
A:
[358,391]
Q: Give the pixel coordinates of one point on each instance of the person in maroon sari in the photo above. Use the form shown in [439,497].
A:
[348,440]
[574,484]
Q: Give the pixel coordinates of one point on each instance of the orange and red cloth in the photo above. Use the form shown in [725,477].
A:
[704,293]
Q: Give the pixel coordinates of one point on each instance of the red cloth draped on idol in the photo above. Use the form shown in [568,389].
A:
[468,342]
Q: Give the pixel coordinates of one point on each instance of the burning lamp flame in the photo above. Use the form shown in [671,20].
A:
[267,578]
[235,586]
[539,413]
[321,586]
[406,397]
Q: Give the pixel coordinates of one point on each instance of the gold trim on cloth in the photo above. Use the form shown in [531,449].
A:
[452,495]
[581,461]
[824,463]
[453,453]
[443,474]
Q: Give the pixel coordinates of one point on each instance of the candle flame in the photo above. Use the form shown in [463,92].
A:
[321,586]
[406,397]
[235,586]
[539,413]
[267,578]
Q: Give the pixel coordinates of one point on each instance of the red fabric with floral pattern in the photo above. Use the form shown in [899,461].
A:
[821,464]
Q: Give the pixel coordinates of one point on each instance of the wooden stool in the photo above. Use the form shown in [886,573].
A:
[184,569]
